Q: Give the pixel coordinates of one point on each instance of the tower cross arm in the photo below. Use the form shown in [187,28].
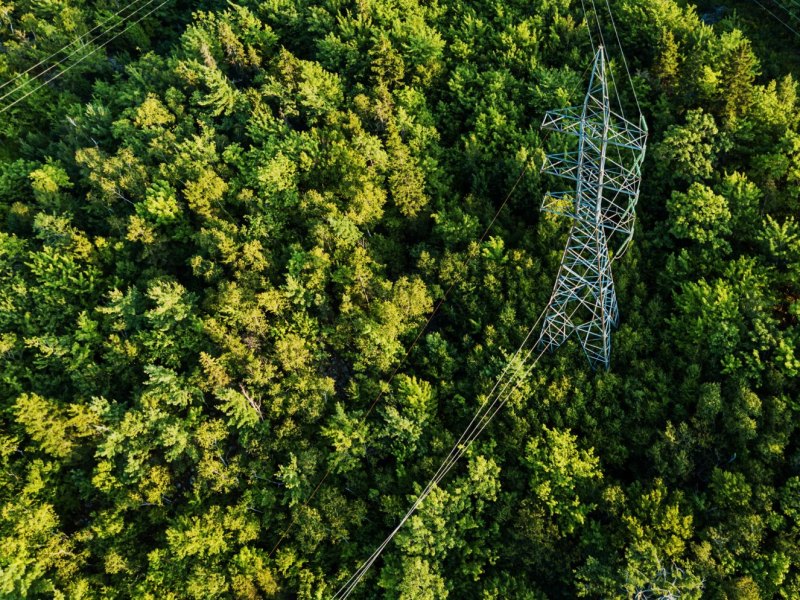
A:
[617,178]
[621,133]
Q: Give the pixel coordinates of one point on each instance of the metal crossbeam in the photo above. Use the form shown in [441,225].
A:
[606,171]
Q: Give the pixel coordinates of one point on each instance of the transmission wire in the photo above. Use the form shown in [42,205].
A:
[602,45]
[777,18]
[786,10]
[599,28]
[483,416]
[624,60]
[81,59]
[473,430]
[76,40]
[407,354]
[610,70]
[588,27]
[591,42]
[486,415]
[54,65]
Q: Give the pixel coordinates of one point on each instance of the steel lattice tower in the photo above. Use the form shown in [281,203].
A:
[606,169]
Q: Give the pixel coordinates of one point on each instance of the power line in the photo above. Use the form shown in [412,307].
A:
[80,60]
[588,284]
[777,18]
[484,415]
[610,70]
[588,27]
[63,60]
[407,354]
[75,41]
[619,45]
[455,454]
[791,14]
[486,412]
[597,20]
[624,60]
[622,53]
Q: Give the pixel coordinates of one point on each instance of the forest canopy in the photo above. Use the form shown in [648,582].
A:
[223,225]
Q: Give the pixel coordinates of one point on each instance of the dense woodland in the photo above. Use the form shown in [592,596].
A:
[221,231]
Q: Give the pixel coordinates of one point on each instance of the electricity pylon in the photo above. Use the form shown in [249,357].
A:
[606,169]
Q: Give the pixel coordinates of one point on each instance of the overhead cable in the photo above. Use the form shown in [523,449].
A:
[777,18]
[624,60]
[610,70]
[786,10]
[80,60]
[407,354]
[483,416]
[588,27]
[75,41]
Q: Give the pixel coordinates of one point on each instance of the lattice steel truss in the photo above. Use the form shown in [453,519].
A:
[606,169]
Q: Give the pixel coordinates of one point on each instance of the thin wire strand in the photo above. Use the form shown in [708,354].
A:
[483,407]
[63,60]
[786,10]
[599,28]
[624,60]
[606,61]
[605,49]
[793,17]
[465,434]
[407,354]
[483,416]
[75,41]
[588,27]
[455,454]
[777,18]
[81,59]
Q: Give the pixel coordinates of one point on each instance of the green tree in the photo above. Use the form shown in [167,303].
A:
[688,152]
[561,476]
[702,216]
